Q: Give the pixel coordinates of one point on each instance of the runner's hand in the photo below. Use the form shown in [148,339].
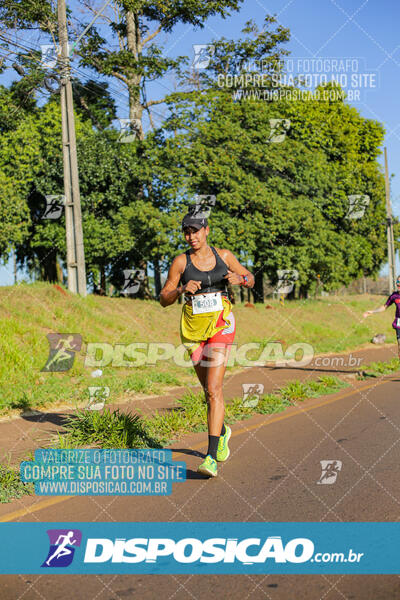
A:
[367,313]
[192,286]
[233,278]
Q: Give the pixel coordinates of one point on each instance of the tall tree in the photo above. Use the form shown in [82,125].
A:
[127,50]
[282,196]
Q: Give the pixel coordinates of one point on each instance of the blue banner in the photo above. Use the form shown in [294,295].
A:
[195,548]
[100,472]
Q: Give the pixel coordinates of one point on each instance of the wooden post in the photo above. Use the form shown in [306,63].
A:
[73,217]
[389,231]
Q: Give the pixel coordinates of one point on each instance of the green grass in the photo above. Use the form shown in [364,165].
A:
[30,311]
[296,391]
[11,487]
[376,369]
[124,430]
[107,429]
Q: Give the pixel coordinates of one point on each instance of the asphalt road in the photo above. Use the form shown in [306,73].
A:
[271,475]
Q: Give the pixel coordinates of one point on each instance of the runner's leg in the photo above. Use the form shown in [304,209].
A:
[201,372]
[220,344]
[215,359]
[214,381]
[199,365]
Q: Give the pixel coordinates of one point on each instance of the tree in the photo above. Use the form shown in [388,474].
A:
[125,220]
[124,227]
[13,209]
[132,28]
[20,14]
[31,163]
[282,171]
[134,25]
[282,196]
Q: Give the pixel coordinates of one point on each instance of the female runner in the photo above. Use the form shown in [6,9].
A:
[393,298]
[207,323]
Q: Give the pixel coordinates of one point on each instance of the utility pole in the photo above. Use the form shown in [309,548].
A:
[73,216]
[389,231]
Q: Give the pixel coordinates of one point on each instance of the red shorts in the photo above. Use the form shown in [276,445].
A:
[223,338]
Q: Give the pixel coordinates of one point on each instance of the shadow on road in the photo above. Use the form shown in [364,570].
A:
[189,473]
[36,416]
[310,368]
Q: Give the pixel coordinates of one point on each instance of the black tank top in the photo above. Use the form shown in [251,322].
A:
[211,281]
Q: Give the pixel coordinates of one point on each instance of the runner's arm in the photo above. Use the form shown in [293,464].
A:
[171,290]
[235,268]
[377,310]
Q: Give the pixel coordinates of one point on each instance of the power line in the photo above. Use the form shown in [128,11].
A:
[113,91]
[79,71]
[76,70]
[91,23]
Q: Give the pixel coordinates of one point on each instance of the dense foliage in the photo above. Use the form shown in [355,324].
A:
[282,195]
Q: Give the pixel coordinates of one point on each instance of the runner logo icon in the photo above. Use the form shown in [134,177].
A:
[133,279]
[330,470]
[62,547]
[203,54]
[62,351]
[54,207]
[252,393]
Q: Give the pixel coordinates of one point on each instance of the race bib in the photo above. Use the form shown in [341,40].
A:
[204,303]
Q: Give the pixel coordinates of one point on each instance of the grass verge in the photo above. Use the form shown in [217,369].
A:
[124,430]
[377,369]
[11,486]
[108,429]
[31,311]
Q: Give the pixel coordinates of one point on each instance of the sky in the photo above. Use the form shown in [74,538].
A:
[357,40]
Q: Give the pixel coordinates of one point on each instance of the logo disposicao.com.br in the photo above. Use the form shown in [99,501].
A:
[247,551]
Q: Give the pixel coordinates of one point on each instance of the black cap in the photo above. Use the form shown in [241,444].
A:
[192,221]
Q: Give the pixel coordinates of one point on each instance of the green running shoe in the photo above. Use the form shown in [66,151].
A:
[208,467]
[223,451]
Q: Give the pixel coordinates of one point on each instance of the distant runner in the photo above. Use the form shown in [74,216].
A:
[207,323]
[395,297]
